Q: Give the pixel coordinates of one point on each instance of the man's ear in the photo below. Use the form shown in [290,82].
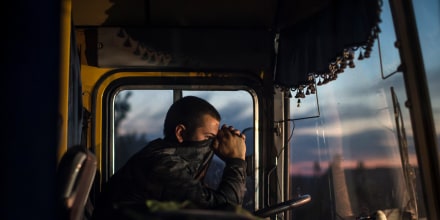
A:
[180,132]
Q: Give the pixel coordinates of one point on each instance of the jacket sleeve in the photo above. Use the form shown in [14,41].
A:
[175,181]
[234,180]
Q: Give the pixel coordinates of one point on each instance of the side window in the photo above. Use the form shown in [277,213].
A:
[139,115]
[358,157]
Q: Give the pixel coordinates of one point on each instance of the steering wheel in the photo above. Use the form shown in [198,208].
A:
[283,206]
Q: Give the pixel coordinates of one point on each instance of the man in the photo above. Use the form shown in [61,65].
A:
[172,168]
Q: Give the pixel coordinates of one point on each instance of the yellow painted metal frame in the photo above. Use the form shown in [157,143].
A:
[65,31]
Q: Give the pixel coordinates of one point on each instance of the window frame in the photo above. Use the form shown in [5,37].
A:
[116,80]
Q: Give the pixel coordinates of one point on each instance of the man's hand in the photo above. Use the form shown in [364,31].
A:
[230,143]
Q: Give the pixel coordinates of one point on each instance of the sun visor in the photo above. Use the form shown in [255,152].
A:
[184,48]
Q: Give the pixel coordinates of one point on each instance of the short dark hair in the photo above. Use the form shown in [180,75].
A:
[187,111]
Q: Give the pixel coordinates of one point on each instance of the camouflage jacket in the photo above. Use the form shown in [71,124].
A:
[167,171]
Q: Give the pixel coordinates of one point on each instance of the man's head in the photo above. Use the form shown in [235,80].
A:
[191,119]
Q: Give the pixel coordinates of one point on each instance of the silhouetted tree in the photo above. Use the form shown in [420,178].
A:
[121,108]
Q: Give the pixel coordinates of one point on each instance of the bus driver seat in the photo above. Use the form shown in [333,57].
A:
[75,176]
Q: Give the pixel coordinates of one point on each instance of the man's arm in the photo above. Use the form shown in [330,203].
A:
[230,146]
